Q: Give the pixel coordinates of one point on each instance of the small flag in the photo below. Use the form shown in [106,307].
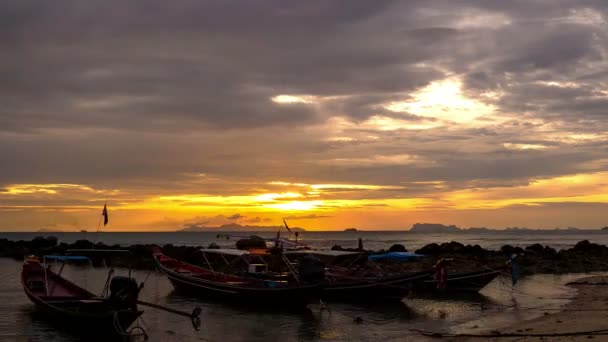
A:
[104,213]
[286,226]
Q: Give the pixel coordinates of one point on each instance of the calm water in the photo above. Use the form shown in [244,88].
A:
[499,305]
[372,240]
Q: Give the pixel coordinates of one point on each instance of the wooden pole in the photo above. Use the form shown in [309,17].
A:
[194,314]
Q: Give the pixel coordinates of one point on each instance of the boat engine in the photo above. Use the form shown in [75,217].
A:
[311,269]
[124,292]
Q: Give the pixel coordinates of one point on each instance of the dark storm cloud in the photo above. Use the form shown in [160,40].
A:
[115,65]
[141,94]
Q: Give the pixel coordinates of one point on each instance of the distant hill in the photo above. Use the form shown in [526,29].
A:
[433,228]
[441,228]
[235,227]
[44,230]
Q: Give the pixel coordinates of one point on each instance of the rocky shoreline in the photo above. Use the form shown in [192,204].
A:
[582,258]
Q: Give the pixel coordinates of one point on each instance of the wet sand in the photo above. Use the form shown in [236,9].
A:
[588,311]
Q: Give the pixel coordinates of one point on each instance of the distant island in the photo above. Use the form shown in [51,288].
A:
[441,228]
[235,227]
[351,230]
[433,228]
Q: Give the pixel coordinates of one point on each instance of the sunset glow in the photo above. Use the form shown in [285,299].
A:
[330,115]
[443,100]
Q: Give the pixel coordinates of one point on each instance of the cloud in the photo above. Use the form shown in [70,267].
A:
[90,98]
[257,219]
[306,217]
[236,217]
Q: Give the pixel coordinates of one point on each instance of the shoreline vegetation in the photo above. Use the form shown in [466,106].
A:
[584,257]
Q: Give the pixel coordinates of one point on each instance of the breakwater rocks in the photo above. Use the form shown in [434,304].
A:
[584,257]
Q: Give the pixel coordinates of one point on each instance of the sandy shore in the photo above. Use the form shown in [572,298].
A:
[586,312]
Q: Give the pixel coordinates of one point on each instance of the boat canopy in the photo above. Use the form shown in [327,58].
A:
[398,256]
[322,252]
[227,251]
[65,257]
[98,251]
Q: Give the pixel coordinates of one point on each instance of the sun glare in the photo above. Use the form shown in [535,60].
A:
[293,99]
[443,100]
[512,146]
[275,196]
[297,205]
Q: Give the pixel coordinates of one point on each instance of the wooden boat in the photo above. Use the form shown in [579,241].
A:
[264,289]
[75,308]
[343,283]
[387,287]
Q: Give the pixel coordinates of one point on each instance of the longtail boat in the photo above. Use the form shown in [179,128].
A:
[265,289]
[347,283]
[73,307]
[375,283]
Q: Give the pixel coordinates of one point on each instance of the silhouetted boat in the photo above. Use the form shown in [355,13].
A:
[374,283]
[75,308]
[263,289]
[346,284]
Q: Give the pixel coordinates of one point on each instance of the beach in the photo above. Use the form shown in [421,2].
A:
[587,312]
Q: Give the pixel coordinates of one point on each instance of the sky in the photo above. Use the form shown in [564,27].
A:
[328,113]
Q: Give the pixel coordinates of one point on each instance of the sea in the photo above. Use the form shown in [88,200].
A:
[498,305]
[373,240]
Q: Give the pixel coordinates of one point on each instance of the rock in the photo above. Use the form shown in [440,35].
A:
[397,248]
[582,245]
[475,250]
[40,242]
[82,244]
[509,250]
[536,248]
[451,247]
[213,245]
[252,242]
[430,249]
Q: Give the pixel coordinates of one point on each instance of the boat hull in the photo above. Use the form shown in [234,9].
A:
[262,297]
[78,311]
[397,287]
[381,288]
